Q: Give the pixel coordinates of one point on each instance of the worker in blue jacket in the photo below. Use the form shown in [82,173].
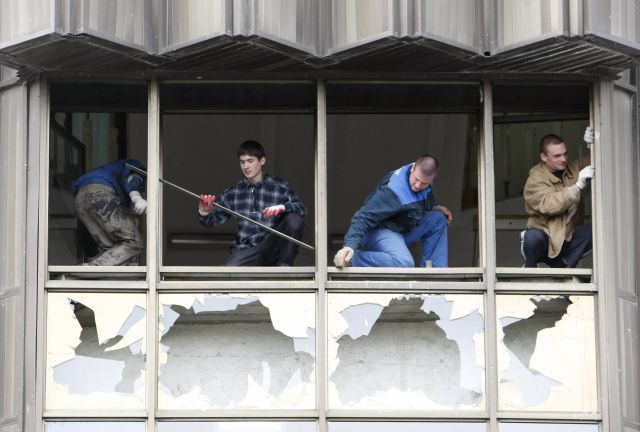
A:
[401,211]
[102,198]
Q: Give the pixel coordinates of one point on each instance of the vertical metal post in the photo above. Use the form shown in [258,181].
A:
[602,265]
[153,185]
[321,256]
[41,105]
[32,415]
[487,229]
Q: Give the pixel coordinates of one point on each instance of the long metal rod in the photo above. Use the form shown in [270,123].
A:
[223,208]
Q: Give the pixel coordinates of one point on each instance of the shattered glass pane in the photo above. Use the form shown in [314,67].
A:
[89,332]
[395,351]
[95,427]
[406,427]
[547,427]
[233,351]
[546,353]
[237,427]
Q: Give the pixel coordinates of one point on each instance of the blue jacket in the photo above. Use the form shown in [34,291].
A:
[117,176]
[392,205]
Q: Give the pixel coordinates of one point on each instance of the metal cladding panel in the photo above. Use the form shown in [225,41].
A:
[520,22]
[357,22]
[294,22]
[13,134]
[617,18]
[123,21]
[455,21]
[629,341]
[21,19]
[189,21]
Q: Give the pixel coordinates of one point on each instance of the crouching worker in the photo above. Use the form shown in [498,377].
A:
[264,198]
[401,211]
[552,197]
[104,200]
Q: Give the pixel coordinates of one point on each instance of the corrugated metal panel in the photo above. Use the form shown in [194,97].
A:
[521,21]
[293,22]
[19,19]
[618,18]
[189,21]
[256,54]
[13,134]
[458,21]
[124,21]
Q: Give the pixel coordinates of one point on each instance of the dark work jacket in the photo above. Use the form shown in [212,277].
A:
[392,205]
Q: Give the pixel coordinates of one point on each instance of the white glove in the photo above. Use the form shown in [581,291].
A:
[273,210]
[585,174]
[589,135]
[343,257]
[139,203]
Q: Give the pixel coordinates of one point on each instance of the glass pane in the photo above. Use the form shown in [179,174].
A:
[547,427]
[618,18]
[237,351]
[378,129]
[94,427]
[88,332]
[220,118]
[359,21]
[457,20]
[189,20]
[95,127]
[236,427]
[294,21]
[546,353]
[405,427]
[523,116]
[390,351]
[22,18]
[519,21]
[124,20]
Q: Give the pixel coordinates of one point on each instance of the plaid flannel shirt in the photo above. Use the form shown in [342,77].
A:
[249,200]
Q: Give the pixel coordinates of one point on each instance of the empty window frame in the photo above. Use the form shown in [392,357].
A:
[406,427]
[95,426]
[373,129]
[523,115]
[408,352]
[546,353]
[239,426]
[93,124]
[89,332]
[547,427]
[237,351]
[219,117]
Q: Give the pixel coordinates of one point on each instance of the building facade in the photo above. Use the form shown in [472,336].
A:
[339,93]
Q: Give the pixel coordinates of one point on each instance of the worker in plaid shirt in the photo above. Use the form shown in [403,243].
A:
[266,199]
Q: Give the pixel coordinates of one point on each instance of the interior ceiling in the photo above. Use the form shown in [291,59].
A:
[84,54]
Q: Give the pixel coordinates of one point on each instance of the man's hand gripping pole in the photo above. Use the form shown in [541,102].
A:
[223,208]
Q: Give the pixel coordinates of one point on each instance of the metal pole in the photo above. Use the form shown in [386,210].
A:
[223,208]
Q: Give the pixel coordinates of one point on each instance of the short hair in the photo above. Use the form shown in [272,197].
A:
[548,140]
[251,148]
[428,164]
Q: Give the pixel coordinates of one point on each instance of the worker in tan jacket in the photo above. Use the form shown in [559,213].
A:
[552,200]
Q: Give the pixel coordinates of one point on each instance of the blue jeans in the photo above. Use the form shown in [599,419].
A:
[385,248]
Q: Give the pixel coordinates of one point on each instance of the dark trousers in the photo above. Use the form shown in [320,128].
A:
[536,248]
[273,250]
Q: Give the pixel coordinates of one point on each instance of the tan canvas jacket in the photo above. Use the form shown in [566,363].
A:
[553,205]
